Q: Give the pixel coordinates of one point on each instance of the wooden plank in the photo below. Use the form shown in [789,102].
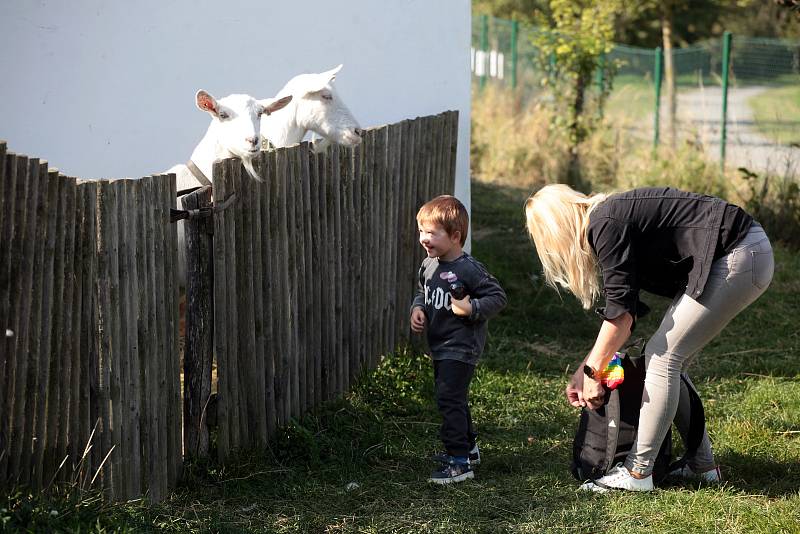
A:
[451,168]
[252,432]
[327,371]
[395,306]
[356,264]
[285,267]
[18,169]
[347,315]
[304,175]
[88,415]
[67,348]
[257,278]
[104,330]
[7,195]
[198,352]
[301,247]
[317,278]
[129,217]
[268,300]
[236,312]
[119,460]
[169,200]
[279,238]
[294,266]
[235,385]
[371,236]
[351,264]
[336,203]
[220,315]
[76,442]
[141,370]
[161,333]
[153,470]
[23,295]
[44,330]
[122,316]
[35,332]
[406,226]
[380,229]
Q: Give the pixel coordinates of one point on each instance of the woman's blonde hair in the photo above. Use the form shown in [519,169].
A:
[557,218]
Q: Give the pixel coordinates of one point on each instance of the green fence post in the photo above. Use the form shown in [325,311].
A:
[657,79]
[514,34]
[600,73]
[726,57]
[484,48]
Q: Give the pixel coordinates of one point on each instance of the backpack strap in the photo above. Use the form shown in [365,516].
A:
[697,426]
[612,408]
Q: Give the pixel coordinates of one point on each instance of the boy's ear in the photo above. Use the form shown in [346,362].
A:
[457,235]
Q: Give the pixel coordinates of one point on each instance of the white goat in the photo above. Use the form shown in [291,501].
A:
[315,107]
[234,132]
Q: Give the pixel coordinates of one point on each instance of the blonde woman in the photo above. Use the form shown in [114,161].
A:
[710,257]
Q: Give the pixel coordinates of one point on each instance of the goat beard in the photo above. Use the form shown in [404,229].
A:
[251,170]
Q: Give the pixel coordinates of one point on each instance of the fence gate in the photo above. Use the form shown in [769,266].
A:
[313,272]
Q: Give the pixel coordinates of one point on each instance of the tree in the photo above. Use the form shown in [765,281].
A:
[580,33]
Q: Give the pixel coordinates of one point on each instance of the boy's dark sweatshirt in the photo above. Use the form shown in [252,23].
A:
[451,337]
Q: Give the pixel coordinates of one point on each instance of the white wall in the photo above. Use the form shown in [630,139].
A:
[105,88]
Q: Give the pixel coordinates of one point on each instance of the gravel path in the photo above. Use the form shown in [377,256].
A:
[699,113]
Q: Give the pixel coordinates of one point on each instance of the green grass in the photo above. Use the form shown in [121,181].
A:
[777,113]
[379,436]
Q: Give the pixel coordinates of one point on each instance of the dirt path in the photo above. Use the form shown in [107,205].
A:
[699,113]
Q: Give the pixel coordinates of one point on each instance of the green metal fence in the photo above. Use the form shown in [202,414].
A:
[744,110]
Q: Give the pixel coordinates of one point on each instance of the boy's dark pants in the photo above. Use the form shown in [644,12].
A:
[451,386]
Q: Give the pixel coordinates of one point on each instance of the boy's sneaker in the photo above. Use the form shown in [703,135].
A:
[712,476]
[451,472]
[474,456]
[619,478]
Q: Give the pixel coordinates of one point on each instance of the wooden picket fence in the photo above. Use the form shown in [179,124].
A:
[89,377]
[313,272]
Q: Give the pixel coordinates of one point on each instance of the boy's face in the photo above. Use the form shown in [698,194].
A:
[437,243]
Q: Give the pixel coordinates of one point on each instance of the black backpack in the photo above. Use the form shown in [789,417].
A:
[605,436]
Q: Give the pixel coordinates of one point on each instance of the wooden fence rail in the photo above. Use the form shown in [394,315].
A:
[89,355]
[313,271]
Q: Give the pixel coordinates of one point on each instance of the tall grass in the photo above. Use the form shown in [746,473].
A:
[514,143]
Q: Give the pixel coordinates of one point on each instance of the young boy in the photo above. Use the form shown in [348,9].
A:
[456,297]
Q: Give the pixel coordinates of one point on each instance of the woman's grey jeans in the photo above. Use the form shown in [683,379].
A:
[735,281]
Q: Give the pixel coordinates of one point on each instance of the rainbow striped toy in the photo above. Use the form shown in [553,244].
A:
[614,374]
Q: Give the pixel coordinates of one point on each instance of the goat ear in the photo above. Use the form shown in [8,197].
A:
[271,106]
[206,102]
[330,75]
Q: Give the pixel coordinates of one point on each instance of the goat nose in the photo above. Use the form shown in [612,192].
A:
[252,140]
[359,132]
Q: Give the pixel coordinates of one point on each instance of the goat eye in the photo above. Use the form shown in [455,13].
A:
[223,115]
[327,97]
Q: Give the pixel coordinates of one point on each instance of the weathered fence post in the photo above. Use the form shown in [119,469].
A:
[197,352]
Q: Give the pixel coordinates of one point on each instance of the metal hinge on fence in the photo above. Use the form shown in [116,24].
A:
[176,215]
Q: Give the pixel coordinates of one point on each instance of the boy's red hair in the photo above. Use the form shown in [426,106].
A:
[448,212]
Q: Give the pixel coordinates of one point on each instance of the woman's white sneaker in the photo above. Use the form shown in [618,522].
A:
[619,478]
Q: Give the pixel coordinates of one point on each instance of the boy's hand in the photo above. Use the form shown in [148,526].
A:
[418,320]
[463,307]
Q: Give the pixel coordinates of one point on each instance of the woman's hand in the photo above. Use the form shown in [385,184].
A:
[463,307]
[574,389]
[417,320]
[593,392]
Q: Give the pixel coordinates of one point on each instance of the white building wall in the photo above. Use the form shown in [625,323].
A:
[105,88]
